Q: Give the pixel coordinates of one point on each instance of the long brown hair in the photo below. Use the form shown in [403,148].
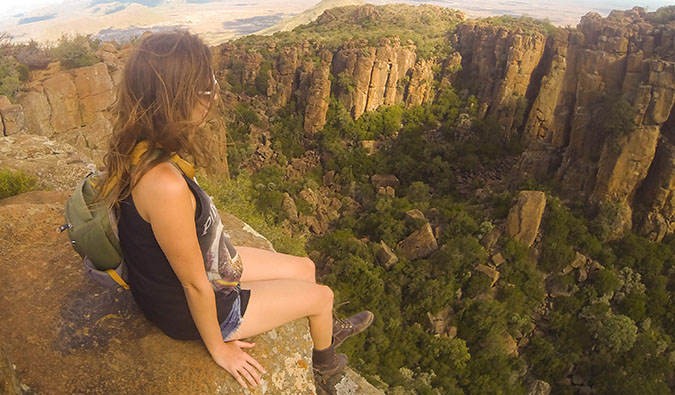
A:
[160,88]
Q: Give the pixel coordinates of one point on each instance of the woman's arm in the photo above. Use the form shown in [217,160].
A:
[165,200]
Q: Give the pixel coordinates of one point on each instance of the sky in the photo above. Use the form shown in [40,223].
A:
[16,6]
[13,7]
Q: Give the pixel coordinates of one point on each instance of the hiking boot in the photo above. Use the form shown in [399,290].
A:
[327,362]
[346,327]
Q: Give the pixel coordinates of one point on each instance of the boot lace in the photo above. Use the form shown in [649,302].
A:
[341,323]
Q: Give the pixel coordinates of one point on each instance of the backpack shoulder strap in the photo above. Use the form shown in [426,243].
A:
[184,166]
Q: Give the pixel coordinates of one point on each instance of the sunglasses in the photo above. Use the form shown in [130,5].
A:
[211,92]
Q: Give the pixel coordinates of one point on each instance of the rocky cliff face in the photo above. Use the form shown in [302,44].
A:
[622,56]
[546,88]
[543,87]
[73,107]
[361,76]
[499,62]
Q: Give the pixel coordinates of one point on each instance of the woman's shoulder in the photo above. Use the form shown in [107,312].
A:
[161,179]
[161,185]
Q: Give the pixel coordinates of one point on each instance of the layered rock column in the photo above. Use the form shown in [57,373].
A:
[501,63]
[626,55]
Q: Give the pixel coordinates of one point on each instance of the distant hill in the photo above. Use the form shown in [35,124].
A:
[215,21]
[308,16]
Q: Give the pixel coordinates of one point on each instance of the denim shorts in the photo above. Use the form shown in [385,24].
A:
[233,320]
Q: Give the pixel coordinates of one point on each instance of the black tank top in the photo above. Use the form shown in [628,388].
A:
[154,284]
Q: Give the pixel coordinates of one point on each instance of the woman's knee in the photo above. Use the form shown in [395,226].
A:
[308,270]
[325,297]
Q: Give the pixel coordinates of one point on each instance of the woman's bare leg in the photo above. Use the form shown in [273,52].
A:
[262,265]
[276,302]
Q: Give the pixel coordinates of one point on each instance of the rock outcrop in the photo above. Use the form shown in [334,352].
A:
[420,244]
[57,165]
[73,107]
[626,56]
[364,76]
[525,217]
[82,324]
[66,334]
[369,77]
[501,62]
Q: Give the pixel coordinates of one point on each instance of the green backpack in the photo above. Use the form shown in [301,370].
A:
[92,229]
[92,235]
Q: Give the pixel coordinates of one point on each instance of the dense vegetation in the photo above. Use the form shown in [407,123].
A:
[426,26]
[615,328]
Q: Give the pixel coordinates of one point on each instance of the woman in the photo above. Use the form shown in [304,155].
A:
[184,274]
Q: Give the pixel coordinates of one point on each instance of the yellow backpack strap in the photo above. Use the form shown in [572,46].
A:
[183,165]
[113,274]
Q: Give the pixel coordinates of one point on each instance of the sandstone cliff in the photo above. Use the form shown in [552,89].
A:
[361,73]
[73,107]
[364,76]
[623,56]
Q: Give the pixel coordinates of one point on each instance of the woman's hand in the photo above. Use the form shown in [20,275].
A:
[238,363]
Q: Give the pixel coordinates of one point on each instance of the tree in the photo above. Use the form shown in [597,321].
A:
[616,334]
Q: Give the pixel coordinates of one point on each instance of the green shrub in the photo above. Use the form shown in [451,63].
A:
[74,51]
[605,281]
[23,72]
[9,78]
[611,116]
[527,24]
[14,182]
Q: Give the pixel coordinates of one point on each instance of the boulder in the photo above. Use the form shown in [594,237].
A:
[69,335]
[510,345]
[328,178]
[492,274]
[288,205]
[415,214]
[524,218]
[490,238]
[440,322]
[369,146]
[420,244]
[386,256]
[310,197]
[498,259]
